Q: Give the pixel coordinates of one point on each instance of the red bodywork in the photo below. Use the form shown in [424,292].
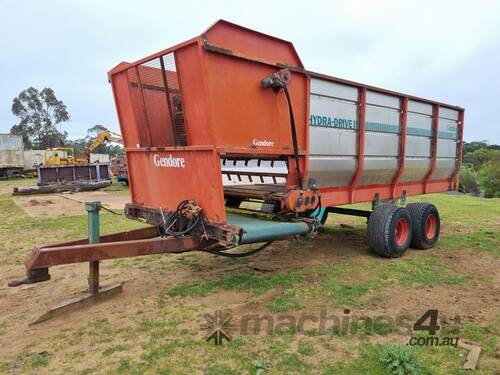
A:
[174,150]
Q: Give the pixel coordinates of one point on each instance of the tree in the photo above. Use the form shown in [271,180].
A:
[468,181]
[474,146]
[479,157]
[39,112]
[489,177]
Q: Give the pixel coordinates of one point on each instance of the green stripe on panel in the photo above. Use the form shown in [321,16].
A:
[381,127]
[447,135]
[418,131]
[342,123]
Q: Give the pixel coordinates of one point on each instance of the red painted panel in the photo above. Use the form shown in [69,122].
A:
[361,143]
[243,112]
[161,183]
[196,110]
[248,42]
[402,144]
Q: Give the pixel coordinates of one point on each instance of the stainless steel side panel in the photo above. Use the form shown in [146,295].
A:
[418,141]
[330,171]
[444,168]
[418,146]
[336,90]
[420,107]
[446,148]
[382,99]
[447,129]
[333,133]
[379,170]
[381,139]
[382,119]
[419,124]
[448,113]
[446,144]
[381,144]
[333,113]
[329,141]
[415,169]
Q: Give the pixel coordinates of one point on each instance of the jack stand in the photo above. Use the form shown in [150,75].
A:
[95,292]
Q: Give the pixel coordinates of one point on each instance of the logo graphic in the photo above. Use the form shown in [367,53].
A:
[333,122]
[216,324]
[169,161]
[262,143]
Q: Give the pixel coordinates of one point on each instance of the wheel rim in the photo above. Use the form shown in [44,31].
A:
[402,231]
[430,226]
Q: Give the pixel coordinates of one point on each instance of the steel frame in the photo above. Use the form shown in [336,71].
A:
[139,242]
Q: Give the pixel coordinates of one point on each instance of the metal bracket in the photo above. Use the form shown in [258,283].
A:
[95,293]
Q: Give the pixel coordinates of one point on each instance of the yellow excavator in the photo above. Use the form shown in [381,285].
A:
[66,155]
[104,136]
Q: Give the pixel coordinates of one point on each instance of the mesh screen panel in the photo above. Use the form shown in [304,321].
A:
[157,102]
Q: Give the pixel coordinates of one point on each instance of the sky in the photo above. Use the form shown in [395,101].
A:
[447,51]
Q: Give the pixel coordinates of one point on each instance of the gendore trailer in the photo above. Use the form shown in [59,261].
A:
[232,116]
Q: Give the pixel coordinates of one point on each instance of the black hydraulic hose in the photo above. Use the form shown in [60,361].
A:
[176,217]
[294,132]
[239,255]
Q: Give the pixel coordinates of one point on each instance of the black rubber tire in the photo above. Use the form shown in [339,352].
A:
[419,213]
[382,230]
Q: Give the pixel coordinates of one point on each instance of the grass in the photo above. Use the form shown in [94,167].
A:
[117,188]
[14,220]
[254,282]
[163,333]
[284,303]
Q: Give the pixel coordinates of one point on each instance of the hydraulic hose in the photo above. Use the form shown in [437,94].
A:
[294,131]
[239,255]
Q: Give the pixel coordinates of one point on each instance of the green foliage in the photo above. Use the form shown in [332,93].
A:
[473,146]
[39,112]
[481,163]
[478,158]
[489,177]
[468,180]
[399,360]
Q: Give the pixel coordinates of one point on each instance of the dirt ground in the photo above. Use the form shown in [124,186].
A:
[70,204]
[476,300]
